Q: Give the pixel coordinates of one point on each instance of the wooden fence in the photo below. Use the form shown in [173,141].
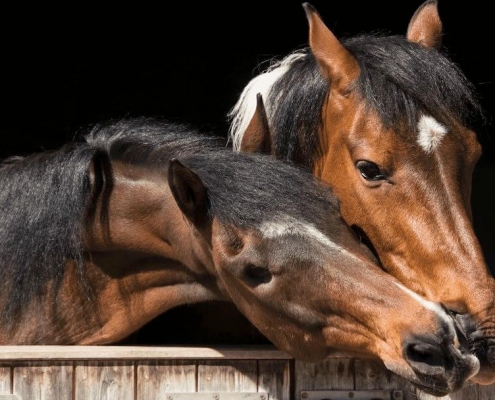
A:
[196,373]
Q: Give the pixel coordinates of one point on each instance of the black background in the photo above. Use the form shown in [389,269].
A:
[65,68]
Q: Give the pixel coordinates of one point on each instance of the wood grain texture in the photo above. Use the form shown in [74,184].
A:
[155,378]
[274,378]
[333,373]
[227,376]
[158,378]
[43,381]
[40,353]
[104,380]
[486,392]
[5,379]
[372,374]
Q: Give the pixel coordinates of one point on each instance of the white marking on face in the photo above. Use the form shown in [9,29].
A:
[290,226]
[425,303]
[286,226]
[430,133]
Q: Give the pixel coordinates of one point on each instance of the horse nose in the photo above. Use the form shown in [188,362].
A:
[425,358]
[440,360]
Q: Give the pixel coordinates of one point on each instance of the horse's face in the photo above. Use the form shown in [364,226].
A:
[312,289]
[413,204]
[294,282]
[409,191]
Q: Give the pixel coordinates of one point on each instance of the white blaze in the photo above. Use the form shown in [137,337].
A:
[286,226]
[425,303]
[294,227]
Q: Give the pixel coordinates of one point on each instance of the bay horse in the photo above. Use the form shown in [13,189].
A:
[385,121]
[104,234]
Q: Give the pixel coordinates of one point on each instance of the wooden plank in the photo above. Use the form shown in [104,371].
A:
[43,381]
[371,394]
[227,376]
[486,392]
[5,379]
[157,378]
[372,374]
[217,396]
[104,380]
[333,373]
[274,378]
[40,353]
[468,392]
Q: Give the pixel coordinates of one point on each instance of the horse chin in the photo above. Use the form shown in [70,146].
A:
[486,374]
[483,378]
[424,383]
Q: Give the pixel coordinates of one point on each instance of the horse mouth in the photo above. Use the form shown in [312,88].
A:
[484,350]
[432,390]
[481,344]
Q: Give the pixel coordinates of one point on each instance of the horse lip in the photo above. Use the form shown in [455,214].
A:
[434,391]
[481,345]
[438,388]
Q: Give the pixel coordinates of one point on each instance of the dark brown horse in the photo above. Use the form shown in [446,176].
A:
[385,121]
[99,237]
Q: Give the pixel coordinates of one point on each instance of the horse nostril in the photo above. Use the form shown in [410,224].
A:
[425,358]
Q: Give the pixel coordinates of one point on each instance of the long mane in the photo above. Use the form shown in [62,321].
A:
[43,202]
[47,199]
[399,80]
[243,189]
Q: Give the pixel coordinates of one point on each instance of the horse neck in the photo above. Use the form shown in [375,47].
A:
[141,261]
[149,256]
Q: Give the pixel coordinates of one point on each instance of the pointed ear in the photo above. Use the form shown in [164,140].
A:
[257,138]
[189,192]
[425,26]
[338,66]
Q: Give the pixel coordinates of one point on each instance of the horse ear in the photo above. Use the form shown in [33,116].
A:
[425,26]
[257,138]
[189,192]
[336,63]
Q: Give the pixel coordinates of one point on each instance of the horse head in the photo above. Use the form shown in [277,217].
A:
[297,272]
[391,137]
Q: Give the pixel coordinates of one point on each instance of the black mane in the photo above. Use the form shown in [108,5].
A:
[244,189]
[42,207]
[399,80]
[47,199]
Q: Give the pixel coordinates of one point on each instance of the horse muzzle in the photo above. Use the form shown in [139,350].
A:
[481,341]
[439,369]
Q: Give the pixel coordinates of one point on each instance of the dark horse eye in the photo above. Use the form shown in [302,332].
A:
[370,171]
[255,275]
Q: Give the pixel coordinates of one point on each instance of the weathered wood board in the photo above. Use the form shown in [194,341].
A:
[192,373]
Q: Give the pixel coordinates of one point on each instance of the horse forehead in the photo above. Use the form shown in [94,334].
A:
[365,131]
[309,241]
[297,229]
[289,232]
[430,133]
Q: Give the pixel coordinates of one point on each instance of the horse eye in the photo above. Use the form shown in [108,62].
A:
[255,275]
[370,171]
